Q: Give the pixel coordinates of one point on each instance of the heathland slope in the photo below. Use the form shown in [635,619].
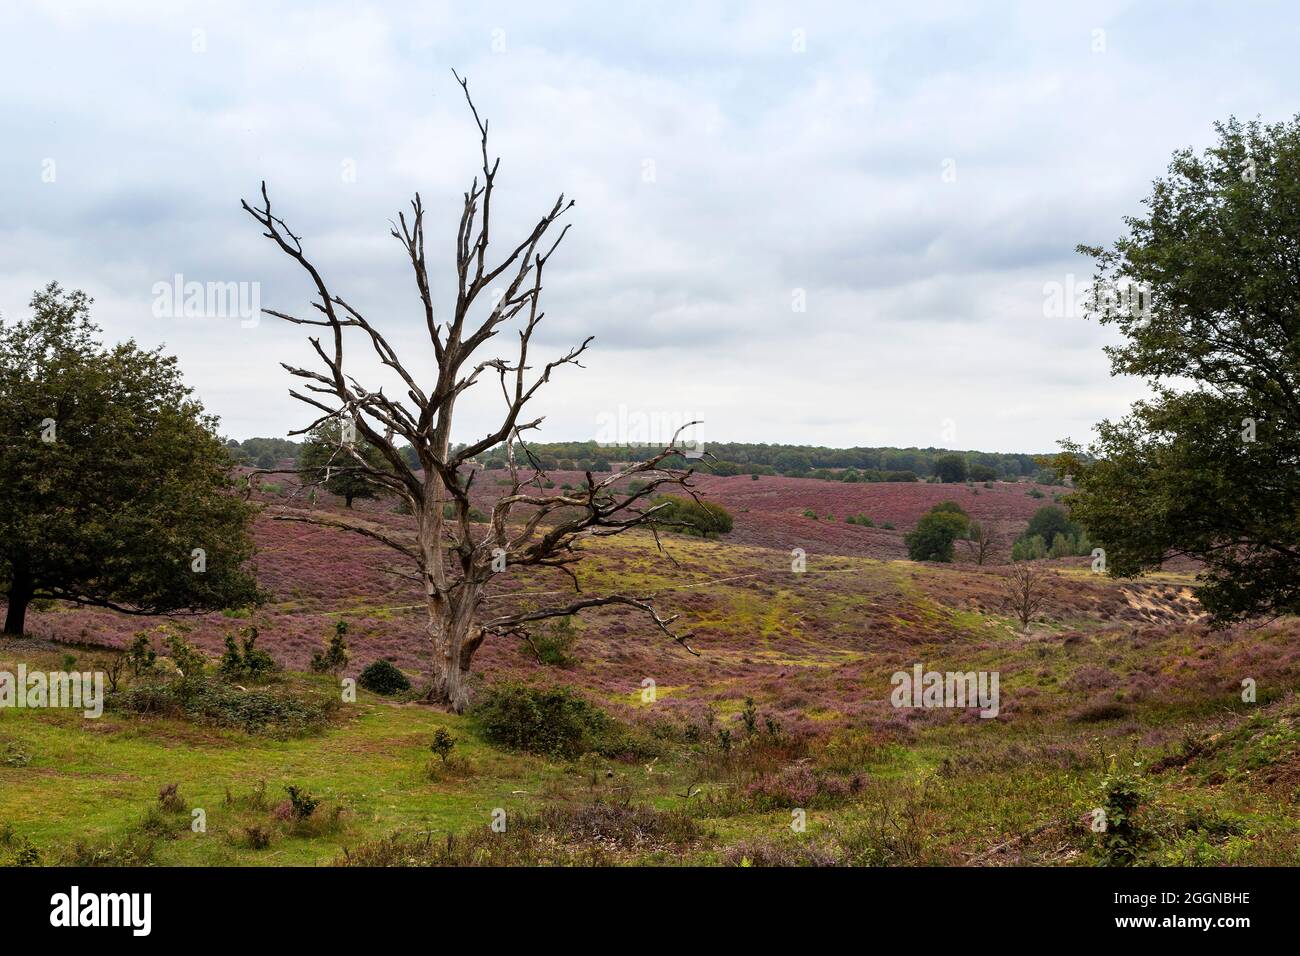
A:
[787,708]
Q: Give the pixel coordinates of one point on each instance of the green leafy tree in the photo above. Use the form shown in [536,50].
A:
[1062,546]
[933,538]
[1210,466]
[950,468]
[1029,548]
[792,463]
[1049,521]
[330,458]
[114,487]
[704,519]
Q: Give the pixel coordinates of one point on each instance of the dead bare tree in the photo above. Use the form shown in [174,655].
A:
[1024,585]
[979,540]
[454,566]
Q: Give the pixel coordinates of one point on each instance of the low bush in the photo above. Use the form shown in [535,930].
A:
[553,643]
[216,703]
[134,849]
[554,721]
[703,519]
[595,834]
[170,799]
[244,660]
[1123,835]
[383,677]
[257,837]
[17,850]
[784,853]
[1098,710]
[800,786]
[301,803]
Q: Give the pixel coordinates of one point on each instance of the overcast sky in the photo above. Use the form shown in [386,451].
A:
[915,174]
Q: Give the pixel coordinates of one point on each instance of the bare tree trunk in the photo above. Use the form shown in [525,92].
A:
[455,639]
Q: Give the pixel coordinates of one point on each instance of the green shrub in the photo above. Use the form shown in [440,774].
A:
[1049,521]
[687,516]
[245,660]
[26,854]
[1050,524]
[383,677]
[553,643]
[443,744]
[554,721]
[1061,546]
[219,704]
[1123,837]
[301,803]
[335,656]
[189,660]
[134,849]
[141,658]
[1029,549]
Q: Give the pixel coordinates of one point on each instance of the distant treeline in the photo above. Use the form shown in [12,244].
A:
[737,458]
[852,464]
[263,452]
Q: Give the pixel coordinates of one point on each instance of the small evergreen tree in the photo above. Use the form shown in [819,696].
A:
[335,656]
[331,461]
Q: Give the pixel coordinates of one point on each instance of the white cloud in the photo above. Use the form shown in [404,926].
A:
[774,170]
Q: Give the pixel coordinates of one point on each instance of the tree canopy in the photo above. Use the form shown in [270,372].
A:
[1210,466]
[950,468]
[328,461]
[935,533]
[114,488]
[1049,521]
